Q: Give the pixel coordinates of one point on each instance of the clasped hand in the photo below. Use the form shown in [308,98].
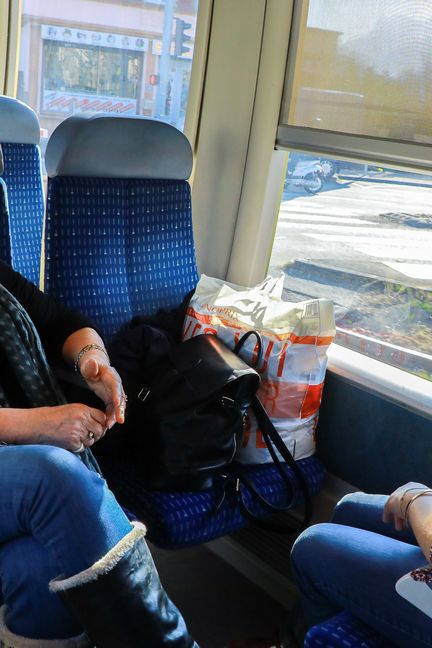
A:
[70,426]
[106,383]
[76,425]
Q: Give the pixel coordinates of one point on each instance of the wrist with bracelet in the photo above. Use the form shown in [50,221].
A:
[426,492]
[408,490]
[84,350]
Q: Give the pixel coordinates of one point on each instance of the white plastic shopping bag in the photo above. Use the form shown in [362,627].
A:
[295,338]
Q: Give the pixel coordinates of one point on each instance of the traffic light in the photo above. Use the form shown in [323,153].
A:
[181,39]
[154,79]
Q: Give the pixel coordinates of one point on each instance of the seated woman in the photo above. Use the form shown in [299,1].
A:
[73,569]
[354,562]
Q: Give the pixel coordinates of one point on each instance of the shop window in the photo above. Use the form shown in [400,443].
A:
[117,57]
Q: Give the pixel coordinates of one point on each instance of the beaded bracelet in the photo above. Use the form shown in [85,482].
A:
[428,491]
[87,347]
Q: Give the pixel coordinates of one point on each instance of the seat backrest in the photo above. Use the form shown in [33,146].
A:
[119,239]
[19,140]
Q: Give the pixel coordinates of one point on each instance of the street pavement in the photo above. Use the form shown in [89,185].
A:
[357,243]
[375,230]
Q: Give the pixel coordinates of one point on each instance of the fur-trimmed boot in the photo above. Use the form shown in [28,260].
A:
[120,601]
[9,639]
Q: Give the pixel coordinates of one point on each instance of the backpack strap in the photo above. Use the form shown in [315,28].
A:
[273,442]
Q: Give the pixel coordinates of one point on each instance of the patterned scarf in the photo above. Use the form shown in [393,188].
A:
[21,343]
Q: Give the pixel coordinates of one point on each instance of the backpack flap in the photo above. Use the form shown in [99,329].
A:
[200,400]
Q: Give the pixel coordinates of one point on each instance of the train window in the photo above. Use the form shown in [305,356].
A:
[355,223]
[363,69]
[361,235]
[117,57]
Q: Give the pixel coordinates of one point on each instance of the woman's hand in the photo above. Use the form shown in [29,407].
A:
[67,426]
[104,380]
[86,350]
[395,507]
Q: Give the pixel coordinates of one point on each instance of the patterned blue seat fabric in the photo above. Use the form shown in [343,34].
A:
[23,178]
[119,247]
[122,245]
[344,631]
[184,519]
[19,139]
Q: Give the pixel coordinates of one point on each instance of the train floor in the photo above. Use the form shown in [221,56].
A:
[218,603]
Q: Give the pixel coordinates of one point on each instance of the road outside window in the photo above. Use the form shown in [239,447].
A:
[361,235]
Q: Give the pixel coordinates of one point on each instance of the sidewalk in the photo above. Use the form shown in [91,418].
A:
[354,272]
[389,177]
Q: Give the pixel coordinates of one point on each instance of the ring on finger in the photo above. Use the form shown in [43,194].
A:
[91,436]
[80,449]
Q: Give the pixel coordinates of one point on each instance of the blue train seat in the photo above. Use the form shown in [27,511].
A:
[119,242]
[19,140]
[344,631]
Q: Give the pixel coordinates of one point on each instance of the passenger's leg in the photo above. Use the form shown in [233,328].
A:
[51,502]
[49,494]
[340,567]
[364,511]
[32,610]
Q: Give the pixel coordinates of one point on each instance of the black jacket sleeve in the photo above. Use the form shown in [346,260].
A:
[54,322]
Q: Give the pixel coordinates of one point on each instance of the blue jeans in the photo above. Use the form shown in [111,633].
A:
[353,564]
[56,519]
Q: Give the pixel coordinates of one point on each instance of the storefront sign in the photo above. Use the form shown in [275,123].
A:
[75,103]
[95,38]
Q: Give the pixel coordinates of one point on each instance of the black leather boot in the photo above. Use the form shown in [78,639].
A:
[120,600]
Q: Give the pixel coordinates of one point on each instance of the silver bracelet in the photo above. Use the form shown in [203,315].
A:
[426,491]
[88,347]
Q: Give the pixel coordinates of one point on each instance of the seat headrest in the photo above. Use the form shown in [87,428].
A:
[18,123]
[101,146]
[1,161]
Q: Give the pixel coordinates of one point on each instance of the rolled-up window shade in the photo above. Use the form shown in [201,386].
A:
[362,69]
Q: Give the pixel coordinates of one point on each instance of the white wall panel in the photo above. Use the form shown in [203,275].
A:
[224,131]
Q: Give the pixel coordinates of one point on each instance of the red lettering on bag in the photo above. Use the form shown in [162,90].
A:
[312,400]
[282,360]
[197,328]
[187,329]
[255,354]
[209,330]
[260,443]
[271,395]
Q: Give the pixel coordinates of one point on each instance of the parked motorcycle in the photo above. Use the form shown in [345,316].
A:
[330,168]
[307,174]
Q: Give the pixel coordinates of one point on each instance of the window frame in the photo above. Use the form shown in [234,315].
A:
[397,154]
[376,377]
